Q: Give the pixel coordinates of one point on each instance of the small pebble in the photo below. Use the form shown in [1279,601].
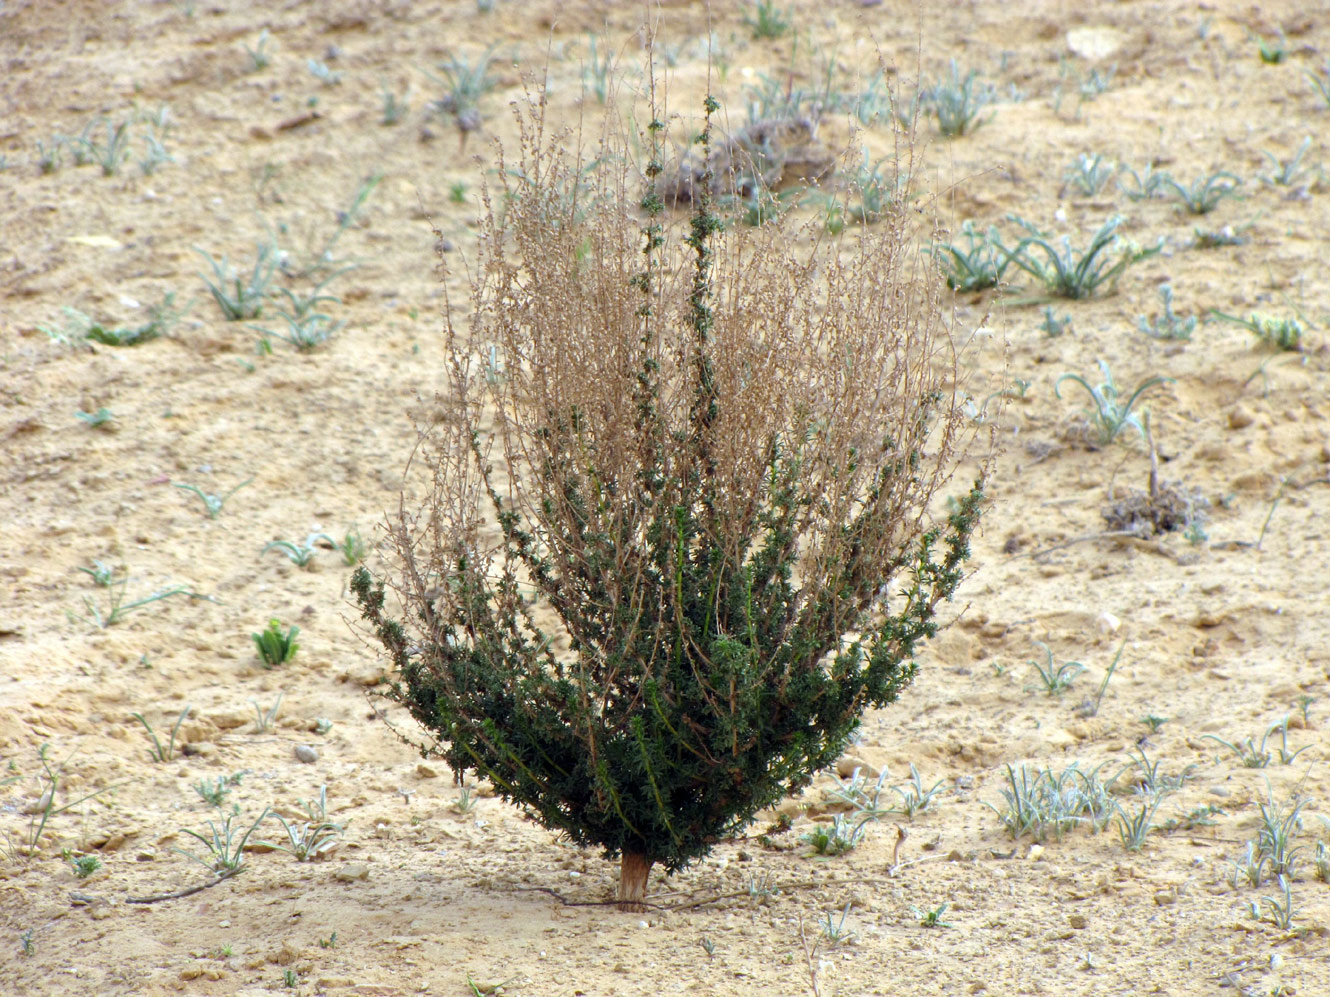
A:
[307,754]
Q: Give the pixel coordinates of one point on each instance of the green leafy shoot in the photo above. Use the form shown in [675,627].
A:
[224,844]
[974,266]
[1167,324]
[1109,415]
[1056,679]
[957,101]
[1068,273]
[276,646]
[1204,194]
[1284,334]
[300,554]
[159,753]
[214,503]
[241,298]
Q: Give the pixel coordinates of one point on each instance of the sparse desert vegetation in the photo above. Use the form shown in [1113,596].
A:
[267,273]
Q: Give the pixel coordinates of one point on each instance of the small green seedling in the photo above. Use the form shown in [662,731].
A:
[1284,334]
[264,719]
[1320,83]
[767,21]
[1056,679]
[1204,193]
[1090,708]
[160,754]
[275,646]
[82,866]
[933,918]
[1154,723]
[834,930]
[213,503]
[225,853]
[1134,828]
[258,56]
[1282,173]
[1088,174]
[1144,185]
[467,83]
[1168,324]
[241,299]
[1067,273]
[974,266]
[95,420]
[300,554]
[1053,325]
[323,73]
[307,332]
[117,608]
[1110,416]
[838,837]
[1272,50]
[394,108]
[957,101]
[215,791]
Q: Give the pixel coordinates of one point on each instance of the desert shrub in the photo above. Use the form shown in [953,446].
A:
[647,581]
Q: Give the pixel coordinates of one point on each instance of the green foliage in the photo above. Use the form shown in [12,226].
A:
[212,503]
[767,21]
[956,101]
[95,420]
[224,844]
[276,646]
[116,608]
[160,754]
[80,328]
[258,55]
[1144,185]
[241,298]
[299,554]
[1284,334]
[1068,273]
[974,266]
[597,70]
[394,108]
[1168,324]
[313,838]
[1056,679]
[467,83]
[838,837]
[1088,175]
[48,785]
[1045,802]
[215,791]
[1286,173]
[712,667]
[1204,193]
[1109,415]
[264,719]
[1272,50]
[1320,83]
[933,918]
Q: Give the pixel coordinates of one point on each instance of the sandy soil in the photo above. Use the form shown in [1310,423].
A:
[1224,632]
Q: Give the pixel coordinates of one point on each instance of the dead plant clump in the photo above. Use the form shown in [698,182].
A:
[672,534]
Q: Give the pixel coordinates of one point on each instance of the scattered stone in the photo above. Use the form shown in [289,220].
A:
[427,771]
[1108,623]
[846,764]
[351,872]
[1240,417]
[1077,921]
[307,753]
[1165,897]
